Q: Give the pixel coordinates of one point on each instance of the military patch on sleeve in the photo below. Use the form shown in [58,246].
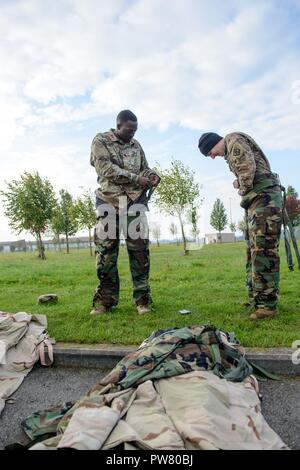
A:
[236,151]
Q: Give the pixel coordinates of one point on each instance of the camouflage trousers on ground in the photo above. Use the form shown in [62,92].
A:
[263,222]
[107,252]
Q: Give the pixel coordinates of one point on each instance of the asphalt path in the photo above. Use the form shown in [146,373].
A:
[46,387]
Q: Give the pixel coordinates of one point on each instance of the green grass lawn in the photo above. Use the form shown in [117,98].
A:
[209,282]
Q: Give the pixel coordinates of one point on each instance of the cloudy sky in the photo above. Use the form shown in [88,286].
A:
[184,67]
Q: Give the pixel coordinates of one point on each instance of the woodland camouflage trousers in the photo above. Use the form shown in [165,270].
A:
[263,222]
[107,252]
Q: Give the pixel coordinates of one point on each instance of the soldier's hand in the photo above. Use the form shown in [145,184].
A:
[155,179]
[236,184]
[144,182]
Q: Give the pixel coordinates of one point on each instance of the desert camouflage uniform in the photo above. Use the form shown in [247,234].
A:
[262,198]
[118,166]
[169,394]
[165,353]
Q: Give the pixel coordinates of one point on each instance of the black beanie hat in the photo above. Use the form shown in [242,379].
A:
[207,141]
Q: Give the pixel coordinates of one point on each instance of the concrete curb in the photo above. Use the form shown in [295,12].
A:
[101,356]
[106,356]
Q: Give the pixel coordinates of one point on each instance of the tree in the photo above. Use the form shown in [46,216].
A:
[56,224]
[85,214]
[173,230]
[293,209]
[65,212]
[193,217]
[29,204]
[177,192]
[232,227]
[156,233]
[218,218]
[291,192]
[241,226]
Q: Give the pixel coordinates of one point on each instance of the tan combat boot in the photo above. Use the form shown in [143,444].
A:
[142,309]
[99,310]
[262,314]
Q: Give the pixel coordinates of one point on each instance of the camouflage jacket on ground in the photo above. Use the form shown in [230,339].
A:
[167,395]
[246,160]
[192,411]
[118,166]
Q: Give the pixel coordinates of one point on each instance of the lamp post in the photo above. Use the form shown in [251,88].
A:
[230,210]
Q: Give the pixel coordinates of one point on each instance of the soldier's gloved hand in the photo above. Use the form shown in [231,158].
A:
[144,182]
[155,179]
[236,184]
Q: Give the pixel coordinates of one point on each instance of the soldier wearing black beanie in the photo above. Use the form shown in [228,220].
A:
[260,190]
[207,142]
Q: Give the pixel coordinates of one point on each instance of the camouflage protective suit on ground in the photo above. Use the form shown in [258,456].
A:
[262,199]
[118,166]
[169,394]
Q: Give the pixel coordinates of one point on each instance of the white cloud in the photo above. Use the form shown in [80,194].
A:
[203,64]
[190,63]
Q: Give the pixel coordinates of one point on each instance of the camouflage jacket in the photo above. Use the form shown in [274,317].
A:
[166,395]
[118,166]
[246,160]
[193,411]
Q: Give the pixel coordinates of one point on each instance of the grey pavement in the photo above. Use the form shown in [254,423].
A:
[46,387]
[42,388]
[281,408]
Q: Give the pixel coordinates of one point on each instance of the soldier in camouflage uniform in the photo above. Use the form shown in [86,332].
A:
[262,199]
[124,178]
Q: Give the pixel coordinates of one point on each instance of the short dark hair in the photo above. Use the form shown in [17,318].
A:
[126,115]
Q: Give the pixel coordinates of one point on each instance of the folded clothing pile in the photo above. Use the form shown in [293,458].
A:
[23,341]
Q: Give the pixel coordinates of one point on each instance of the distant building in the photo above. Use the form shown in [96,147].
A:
[74,242]
[6,247]
[50,245]
[214,238]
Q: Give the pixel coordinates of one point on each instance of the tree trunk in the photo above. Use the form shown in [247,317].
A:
[219,237]
[40,246]
[59,244]
[67,242]
[183,234]
[157,241]
[90,242]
